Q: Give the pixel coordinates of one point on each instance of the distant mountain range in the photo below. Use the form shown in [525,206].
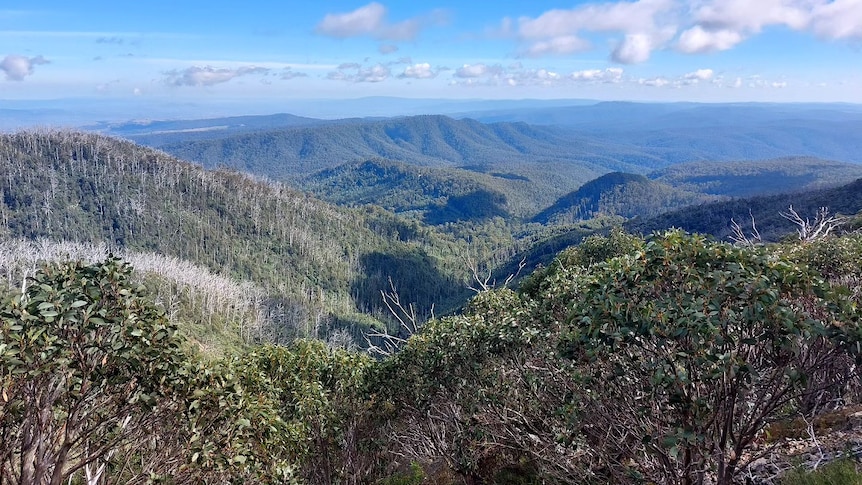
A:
[753,178]
[532,165]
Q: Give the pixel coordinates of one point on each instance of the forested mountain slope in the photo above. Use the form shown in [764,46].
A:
[618,194]
[714,218]
[565,148]
[553,161]
[758,177]
[436,141]
[321,265]
[426,191]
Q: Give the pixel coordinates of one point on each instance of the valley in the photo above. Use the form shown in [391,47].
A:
[410,268]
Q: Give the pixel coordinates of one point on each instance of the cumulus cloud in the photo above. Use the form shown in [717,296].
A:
[646,24]
[370,20]
[418,71]
[208,75]
[353,72]
[18,67]
[722,24]
[517,75]
[636,48]
[655,82]
[609,75]
[839,19]
[700,75]
[477,70]
[597,17]
[374,74]
[637,28]
[698,40]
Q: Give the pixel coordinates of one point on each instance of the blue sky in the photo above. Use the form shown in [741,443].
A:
[655,50]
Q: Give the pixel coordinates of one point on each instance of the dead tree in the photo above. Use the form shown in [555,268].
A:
[740,238]
[808,230]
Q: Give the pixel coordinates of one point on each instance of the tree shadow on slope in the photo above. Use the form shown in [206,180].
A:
[414,275]
[478,205]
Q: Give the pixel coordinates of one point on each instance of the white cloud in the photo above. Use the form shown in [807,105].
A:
[477,70]
[646,24]
[655,82]
[419,71]
[839,19]
[698,40]
[636,48]
[700,75]
[562,45]
[208,75]
[637,28]
[638,16]
[748,16]
[374,74]
[609,75]
[18,67]
[517,75]
[365,20]
[722,24]
[370,20]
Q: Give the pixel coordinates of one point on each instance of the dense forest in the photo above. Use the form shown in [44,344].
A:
[165,323]
[321,267]
[598,369]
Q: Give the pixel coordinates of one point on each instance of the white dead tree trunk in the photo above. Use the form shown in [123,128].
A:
[740,238]
[808,230]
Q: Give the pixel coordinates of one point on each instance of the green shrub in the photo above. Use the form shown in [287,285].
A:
[841,472]
[414,476]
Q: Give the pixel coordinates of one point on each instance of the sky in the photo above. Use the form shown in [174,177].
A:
[256,50]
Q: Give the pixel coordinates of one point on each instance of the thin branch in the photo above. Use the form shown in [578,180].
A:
[823,224]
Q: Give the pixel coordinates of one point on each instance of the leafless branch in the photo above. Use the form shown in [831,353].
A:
[823,223]
[740,238]
[408,320]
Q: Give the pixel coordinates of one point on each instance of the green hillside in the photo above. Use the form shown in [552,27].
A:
[714,218]
[761,177]
[322,267]
[435,141]
[425,191]
[548,160]
[617,194]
